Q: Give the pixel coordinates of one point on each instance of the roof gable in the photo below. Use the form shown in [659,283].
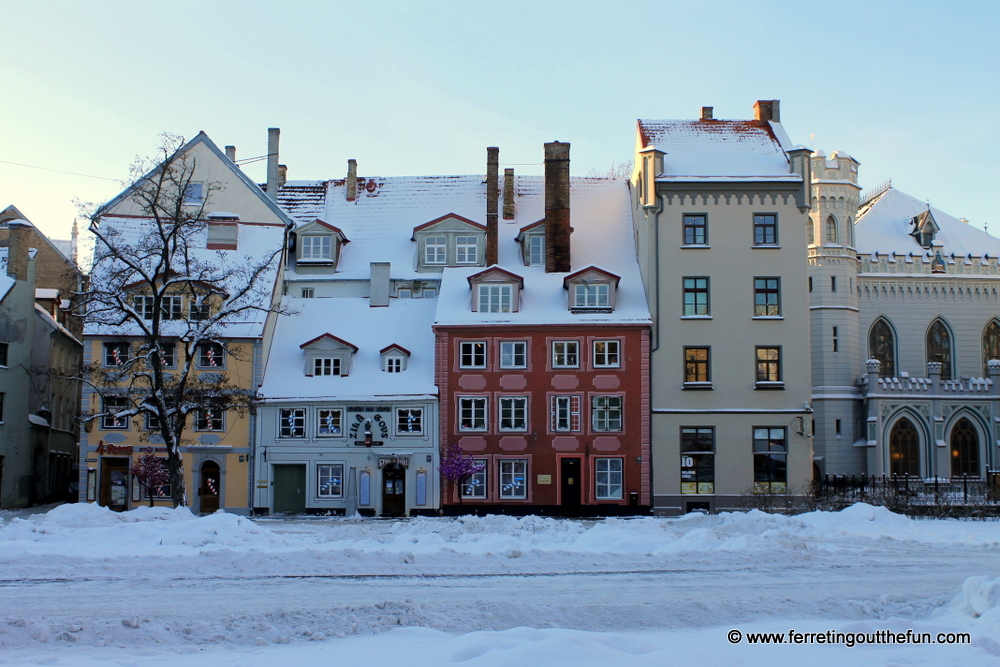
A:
[496,274]
[320,226]
[591,274]
[328,341]
[452,221]
[394,348]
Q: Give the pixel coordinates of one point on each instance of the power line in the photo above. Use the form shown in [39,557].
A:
[58,171]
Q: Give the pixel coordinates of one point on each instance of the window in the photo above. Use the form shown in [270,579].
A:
[404,293]
[566,354]
[514,414]
[606,354]
[513,354]
[113,404]
[326,366]
[904,449]
[594,295]
[964,443]
[393,365]
[211,355]
[831,229]
[608,479]
[475,484]
[409,421]
[836,339]
[607,413]
[768,364]
[472,354]
[436,250]
[696,365]
[472,414]
[429,293]
[152,422]
[770,460]
[513,478]
[566,413]
[939,347]
[315,248]
[766,297]
[466,248]
[833,283]
[292,423]
[695,297]
[170,307]
[194,193]
[330,480]
[143,304]
[199,311]
[116,354]
[495,298]
[210,419]
[765,229]
[329,423]
[168,355]
[697,459]
[695,230]
[536,250]
[308,293]
[3,354]
[882,347]
[991,346]
[810,285]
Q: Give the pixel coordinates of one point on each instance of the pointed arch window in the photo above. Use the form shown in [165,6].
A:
[939,347]
[810,232]
[991,344]
[964,449]
[904,450]
[882,346]
[850,231]
[831,229]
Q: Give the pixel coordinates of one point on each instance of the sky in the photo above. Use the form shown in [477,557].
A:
[908,88]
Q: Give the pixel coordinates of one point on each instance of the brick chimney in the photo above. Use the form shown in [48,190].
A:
[767,110]
[508,194]
[492,203]
[352,179]
[707,113]
[272,162]
[17,249]
[557,229]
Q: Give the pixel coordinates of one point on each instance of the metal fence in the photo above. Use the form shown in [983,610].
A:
[939,496]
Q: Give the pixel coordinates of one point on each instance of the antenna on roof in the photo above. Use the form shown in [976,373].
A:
[812,140]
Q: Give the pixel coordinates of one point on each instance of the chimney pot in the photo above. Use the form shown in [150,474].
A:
[352,179]
[706,113]
[272,162]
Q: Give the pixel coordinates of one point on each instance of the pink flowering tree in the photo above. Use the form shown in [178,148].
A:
[151,473]
[457,466]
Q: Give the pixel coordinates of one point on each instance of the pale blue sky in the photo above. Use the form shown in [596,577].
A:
[909,88]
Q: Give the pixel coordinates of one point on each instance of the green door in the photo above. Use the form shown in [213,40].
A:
[289,489]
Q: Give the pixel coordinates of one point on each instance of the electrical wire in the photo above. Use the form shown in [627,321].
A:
[58,171]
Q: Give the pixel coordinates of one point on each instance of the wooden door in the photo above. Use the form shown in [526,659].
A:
[211,485]
[570,485]
[393,490]
[289,489]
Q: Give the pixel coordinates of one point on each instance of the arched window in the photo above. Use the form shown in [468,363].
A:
[939,347]
[831,230]
[964,449]
[991,344]
[850,231]
[810,232]
[882,346]
[904,450]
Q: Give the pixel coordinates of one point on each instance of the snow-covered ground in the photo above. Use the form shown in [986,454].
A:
[80,585]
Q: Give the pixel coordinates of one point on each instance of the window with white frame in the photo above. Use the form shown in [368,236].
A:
[194,193]
[143,304]
[292,423]
[466,250]
[393,365]
[472,354]
[170,307]
[199,310]
[565,413]
[112,405]
[513,354]
[608,479]
[471,414]
[607,413]
[592,295]
[436,250]
[116,354]
[329,423]
[495,297]
[513,478]
[474,485]
[513,413]
[152,422]
[210,419]
[168,355]
[326,366]
[566,354]
[211,355]
[308,292]
[606,354]
[409,421]
[316,248]
[330,480]
[536,250]
[429,293]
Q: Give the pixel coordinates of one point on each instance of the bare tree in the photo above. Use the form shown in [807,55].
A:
[169,302]
[621,169]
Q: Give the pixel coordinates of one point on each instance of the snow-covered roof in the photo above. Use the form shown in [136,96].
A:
[47,318]
[6,281]
[745,150]
[404,322]
[885,222]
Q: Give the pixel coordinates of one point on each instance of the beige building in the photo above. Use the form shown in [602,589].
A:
[720,212]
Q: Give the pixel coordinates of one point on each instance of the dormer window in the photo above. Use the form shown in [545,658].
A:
[316,247]
[328,356]
[532,240]
[318,243]
[495,291]
[592,290]
[450,240]
[394,358]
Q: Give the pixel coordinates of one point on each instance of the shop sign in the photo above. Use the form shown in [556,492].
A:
[545,479]
[403,460]
[104,448]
